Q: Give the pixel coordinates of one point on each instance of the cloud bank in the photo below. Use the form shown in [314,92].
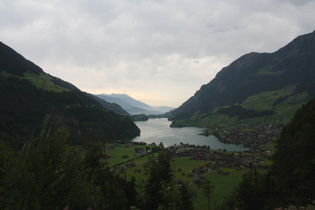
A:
[157,51]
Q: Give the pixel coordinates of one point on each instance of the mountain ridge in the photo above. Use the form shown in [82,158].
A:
[133,106]
[28,94]
[254,73]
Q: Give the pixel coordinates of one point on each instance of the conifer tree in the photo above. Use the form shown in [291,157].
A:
[46,174]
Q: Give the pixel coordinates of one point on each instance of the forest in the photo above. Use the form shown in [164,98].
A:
[50,174]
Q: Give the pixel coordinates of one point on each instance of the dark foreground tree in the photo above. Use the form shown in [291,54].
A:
[46,174]
[161,191]
[207,189]
[294,161]
[159,173]
[110,190]
[49,174]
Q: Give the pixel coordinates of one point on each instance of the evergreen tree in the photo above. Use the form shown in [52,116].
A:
[46,174]
[207,189]
[295,181]
[159,173]
[186,198]
[111,191]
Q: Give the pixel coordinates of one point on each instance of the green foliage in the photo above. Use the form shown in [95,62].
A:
[161,191]
[46,174]
[296,146]
[244,113]
[44,82]
[111,191]
[49,174]
[159,173]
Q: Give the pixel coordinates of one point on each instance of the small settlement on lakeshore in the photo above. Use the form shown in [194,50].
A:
[212,161]
[250,136]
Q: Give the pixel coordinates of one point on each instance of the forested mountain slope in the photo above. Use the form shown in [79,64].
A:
[288,72]
[28,94]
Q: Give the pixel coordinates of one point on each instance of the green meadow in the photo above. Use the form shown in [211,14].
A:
[223,185]
[44,81]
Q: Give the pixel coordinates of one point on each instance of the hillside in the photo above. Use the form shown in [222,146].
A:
[133,106]
[257,85]
[28,94]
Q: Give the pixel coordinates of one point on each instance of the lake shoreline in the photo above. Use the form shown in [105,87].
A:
[158,130]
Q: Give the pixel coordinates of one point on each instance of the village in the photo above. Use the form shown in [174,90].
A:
[253,137]
[250,135]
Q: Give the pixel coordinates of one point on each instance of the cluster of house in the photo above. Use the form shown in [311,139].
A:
[222,158]
[251,135]
[216,159]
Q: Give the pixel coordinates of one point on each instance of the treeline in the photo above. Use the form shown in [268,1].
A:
[244,113]
[291,178]
[49,174]
[139,117]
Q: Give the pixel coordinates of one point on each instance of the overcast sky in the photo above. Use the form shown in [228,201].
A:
[156,51]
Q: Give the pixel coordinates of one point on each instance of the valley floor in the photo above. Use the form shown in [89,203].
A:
[192,165]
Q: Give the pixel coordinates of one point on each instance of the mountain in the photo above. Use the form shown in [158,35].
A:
[111,106]
[28,94]
[257,85]
[133,106]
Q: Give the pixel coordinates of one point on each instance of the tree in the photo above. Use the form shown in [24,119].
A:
[111,191]
[94,153]
[6,154]
[46,174]
[207,189]
[171,197]
[186,198]
[295,182]
[159,173]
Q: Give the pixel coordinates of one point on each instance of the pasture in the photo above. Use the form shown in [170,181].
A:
[121,156]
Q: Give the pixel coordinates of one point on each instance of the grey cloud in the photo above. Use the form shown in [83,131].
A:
[138,45]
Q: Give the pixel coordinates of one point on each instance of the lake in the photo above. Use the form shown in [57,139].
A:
[158,130]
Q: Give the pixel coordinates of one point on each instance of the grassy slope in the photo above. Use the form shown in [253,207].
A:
[44,82]
[262,101]
[41,81]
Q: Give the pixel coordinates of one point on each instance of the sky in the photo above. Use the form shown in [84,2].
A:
[157,51]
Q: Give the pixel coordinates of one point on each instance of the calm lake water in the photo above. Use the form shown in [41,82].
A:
[159,130]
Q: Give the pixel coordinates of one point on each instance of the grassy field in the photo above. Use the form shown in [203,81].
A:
[43,81]
[223,185]
[284,102]
[265,100]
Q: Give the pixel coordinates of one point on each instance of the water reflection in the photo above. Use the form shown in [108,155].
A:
[159,130]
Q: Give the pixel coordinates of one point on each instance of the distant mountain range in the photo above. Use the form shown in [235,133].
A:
[28,94]
[133,106]
[256,86]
